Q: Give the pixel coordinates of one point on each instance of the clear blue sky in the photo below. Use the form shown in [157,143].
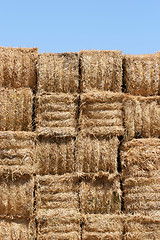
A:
[70,25]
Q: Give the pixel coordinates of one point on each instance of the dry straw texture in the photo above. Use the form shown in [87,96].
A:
[101,227]
[58,72]
[16,109]
[142,116]
[55,155]
[141,227]
[56,114]
[16,197]
[101,113]
[58,224]
[17,149]
[57,192]
[101,70]
[140,174]
[94,154]
[18,67]
[17,230]
[102,195]
[142,74]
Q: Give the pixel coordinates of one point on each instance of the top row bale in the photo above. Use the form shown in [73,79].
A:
[142,74]
[18,67]
[98,70]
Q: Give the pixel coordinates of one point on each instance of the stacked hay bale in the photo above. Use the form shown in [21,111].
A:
[17,142]
[57,199]
[140,155]
[100,125]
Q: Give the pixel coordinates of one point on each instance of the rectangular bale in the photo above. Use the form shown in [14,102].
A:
[55,155]
[94,154]
[18,67]
[57,114]
[58,224]
[57,192]
[142,227]
[140,176]
[100,196]
[58,72]
[101,70]
[142,74]
[17,149]
[101,227]
[141,116]
[101,113]
[16,109]
[17,230]
[16,196]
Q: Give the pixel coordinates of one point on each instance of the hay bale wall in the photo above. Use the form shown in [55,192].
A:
[91,168]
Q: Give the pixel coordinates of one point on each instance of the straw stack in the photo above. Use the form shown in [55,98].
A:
[17,142]
[142,74]
[57,208]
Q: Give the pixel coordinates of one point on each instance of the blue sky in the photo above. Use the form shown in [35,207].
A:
[61,26]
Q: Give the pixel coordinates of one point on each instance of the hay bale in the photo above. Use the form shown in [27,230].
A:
[16,196]
[142,227]
[58,224]
[99,227]
[18,67]
[17,150]
[16,109]
[102,195]
[142,74]
[56,192]
[101,70]
[58,72]
[94,154]
[101,113]
[17,230]
[141,116]
[140,175]
[59,161]
[56,114]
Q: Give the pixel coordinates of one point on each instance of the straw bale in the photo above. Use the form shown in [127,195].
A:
[17,230]
[94,154]
[16,197]
[101,70]
[16,109]
[140,174]
[17,149]
[99,227]
[142,74]
[54,192]
[102,195]
[58,72]
[56,114]
[101,113]
[55,155]
[18,67]
[58,224]
[141,116]
[142,227]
